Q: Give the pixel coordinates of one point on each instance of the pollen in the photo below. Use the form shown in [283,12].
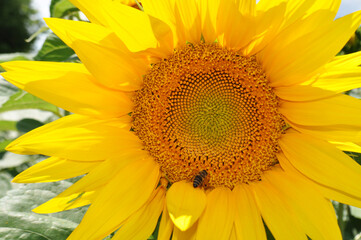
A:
[209,108]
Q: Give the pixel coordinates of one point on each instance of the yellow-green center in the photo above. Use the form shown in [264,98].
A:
[208,108]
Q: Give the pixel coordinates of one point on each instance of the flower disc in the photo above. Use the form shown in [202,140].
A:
[208,108]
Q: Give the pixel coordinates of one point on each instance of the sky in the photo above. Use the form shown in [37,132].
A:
[42,6]
[349,6]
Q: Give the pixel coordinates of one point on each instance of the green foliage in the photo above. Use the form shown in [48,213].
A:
[54,49]
[15,18]
[28,124]
[22,100]
[7,125]
[16,218]
[61,8]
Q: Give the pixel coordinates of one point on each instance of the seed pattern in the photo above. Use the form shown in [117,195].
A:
[208,108]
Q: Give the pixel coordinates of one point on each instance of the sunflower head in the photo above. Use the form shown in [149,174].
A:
[214,117]
[209,108]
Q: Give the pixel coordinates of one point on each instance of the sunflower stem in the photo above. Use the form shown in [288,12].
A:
[140,6]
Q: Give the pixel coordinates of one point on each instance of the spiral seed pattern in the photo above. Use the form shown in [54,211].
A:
[208,108]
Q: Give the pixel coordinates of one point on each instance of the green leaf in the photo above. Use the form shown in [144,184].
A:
[52,4]
[61,8]
[28,124]
[23,100]
[54,49]
[16,218]
[7,125]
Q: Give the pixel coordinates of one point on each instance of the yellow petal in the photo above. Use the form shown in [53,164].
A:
[246,7]
[339,79]
[340,133]
[185,204]
[297,10]
[190,234]
[237,18]
[265,27]
[209,11]
[163,10]
[84,191]
[91,9]
[78,138]
[322,162]
[291,59]
[330,5]
[340,196]
[233,235]
[165,226]
[328,192]
[304,200]
[69,86]
[188,21]
[54,169]
[142,223]
[291,34]
[217,220]
[137,29]
[119,199]
[231,24]
[345,61]
[347,146]
[299,93]
[337,110]
[66,203]
[69,31]
[101,37]
[274,211]
[117,69]
[248,222]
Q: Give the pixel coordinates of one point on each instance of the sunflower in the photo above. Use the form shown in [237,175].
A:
[216,117]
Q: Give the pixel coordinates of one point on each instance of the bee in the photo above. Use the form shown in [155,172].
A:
[199,178]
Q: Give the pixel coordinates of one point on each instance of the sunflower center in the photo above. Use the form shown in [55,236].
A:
[209,109]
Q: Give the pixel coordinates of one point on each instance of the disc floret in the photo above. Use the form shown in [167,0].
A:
[209,108]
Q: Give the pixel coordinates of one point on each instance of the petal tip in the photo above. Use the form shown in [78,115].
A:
[13,147]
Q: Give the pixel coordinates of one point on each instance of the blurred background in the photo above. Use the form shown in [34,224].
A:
[24,36]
